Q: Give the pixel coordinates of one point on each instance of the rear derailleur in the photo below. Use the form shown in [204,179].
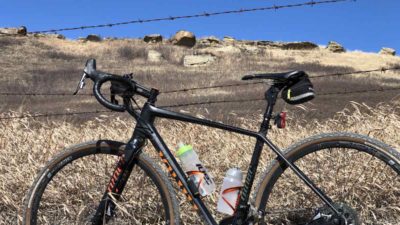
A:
[325,216]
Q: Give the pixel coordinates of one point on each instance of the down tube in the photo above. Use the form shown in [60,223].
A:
[179,175]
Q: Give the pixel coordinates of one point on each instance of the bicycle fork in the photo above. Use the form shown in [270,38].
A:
[125,164]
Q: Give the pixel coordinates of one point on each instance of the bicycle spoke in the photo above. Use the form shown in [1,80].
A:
[86,181]
[365,166]
[357,180]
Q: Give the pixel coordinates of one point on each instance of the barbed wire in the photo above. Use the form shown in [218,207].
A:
[311,77]
[263,99]
[204,14]
[211,102]
[196,103]
[54,114]
[382,69]
[211,87]
[359,91]
[42,94]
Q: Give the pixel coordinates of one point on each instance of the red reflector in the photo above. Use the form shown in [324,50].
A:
[282,121]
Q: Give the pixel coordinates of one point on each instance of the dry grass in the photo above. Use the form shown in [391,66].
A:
[55,65]
[27,144]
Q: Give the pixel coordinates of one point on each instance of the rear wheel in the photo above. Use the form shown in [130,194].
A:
[70,187]
[360,175]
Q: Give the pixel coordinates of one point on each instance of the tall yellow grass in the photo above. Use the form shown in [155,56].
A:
[26,145]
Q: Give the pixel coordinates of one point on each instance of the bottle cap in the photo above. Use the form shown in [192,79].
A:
[235,173]
[183,148]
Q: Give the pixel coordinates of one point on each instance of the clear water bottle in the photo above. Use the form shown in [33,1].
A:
[230,190]
[195,169]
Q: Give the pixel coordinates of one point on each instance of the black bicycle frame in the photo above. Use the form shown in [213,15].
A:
[145,129]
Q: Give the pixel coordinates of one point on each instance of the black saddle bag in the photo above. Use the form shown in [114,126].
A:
[299,91]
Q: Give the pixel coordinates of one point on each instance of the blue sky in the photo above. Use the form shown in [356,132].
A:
[365,25]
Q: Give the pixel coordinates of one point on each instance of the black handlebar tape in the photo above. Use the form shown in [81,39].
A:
[97,93]
[142,91]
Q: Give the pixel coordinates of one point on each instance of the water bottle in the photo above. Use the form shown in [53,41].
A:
[230,190]
[195,170]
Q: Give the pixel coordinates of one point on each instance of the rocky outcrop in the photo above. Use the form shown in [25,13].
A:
[14,31]
[220,51]
[303,45]
[209,41]
[335,47]
[154,56]
[81,39]
[387,51]
[42,35]
[184,38]
[198,60]
[228,39]
[153,38]
[248,42]
[93,37]
[58,36]
[266,43]
[110,39]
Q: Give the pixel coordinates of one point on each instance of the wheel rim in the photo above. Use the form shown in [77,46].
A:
[73,194]
[328,165]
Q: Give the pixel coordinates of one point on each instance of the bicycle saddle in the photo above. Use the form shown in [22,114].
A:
[292,75]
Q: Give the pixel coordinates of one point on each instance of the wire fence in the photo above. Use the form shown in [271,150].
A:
[198,15]
[195,104]
[172,18]
[311,77]
[381,89]
[54,114]
[382,69]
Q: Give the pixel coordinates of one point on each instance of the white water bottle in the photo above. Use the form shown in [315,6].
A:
[230,190]
[195,170]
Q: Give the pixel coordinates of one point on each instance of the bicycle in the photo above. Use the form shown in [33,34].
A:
[117,199]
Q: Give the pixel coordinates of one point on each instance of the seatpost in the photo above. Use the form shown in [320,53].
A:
[270,95]
[243,208]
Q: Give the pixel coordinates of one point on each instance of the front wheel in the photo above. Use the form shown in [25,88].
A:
[70,188]
[361,175]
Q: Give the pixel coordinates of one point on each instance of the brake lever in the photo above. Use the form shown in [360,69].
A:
[81,84]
